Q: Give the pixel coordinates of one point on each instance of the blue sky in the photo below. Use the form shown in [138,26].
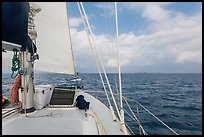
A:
[155,37]
[164,37]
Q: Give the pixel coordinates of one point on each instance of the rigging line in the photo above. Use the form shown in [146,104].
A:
[100,60]
[158,119]
[109,31]
[138,117]
[144,132]
[133,117]
[119,74]
[111,108]
[138,121]
[155,117]
[111,52]
[119,68]
[112,47]
[94,54]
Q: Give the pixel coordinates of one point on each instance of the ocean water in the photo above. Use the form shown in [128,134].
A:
[176,99]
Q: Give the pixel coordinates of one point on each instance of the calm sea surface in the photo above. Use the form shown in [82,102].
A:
[176,99]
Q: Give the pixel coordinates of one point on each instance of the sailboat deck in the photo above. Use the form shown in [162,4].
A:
[64,121]
[51,121]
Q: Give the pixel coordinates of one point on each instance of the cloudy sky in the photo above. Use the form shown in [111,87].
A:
[164,37]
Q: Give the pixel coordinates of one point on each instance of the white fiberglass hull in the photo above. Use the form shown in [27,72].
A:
[64,121]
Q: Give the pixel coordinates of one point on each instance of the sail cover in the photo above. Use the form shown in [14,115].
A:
[15,24]
[15,29]
[53,39]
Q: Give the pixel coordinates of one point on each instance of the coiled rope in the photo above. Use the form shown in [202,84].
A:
[16,64]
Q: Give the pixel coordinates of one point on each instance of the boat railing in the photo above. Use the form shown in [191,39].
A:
[138,120]
[135,116]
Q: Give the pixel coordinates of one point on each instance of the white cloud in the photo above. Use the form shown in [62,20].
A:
[75,22]
[155,13]
[189,56]
[176,40]
[172,38]
[140,6]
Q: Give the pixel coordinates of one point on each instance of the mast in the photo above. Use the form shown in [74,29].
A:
[27,86]
[27,66]
[119,74]
[18,34]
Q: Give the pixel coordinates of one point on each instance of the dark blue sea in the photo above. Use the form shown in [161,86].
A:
[176,99]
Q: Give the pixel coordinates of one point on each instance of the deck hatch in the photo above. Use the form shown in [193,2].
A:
[62,96]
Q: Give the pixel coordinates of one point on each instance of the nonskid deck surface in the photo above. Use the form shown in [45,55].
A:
[51,121]
[110,127]
[64,121]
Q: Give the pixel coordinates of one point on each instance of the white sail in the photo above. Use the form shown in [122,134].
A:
[53,39]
